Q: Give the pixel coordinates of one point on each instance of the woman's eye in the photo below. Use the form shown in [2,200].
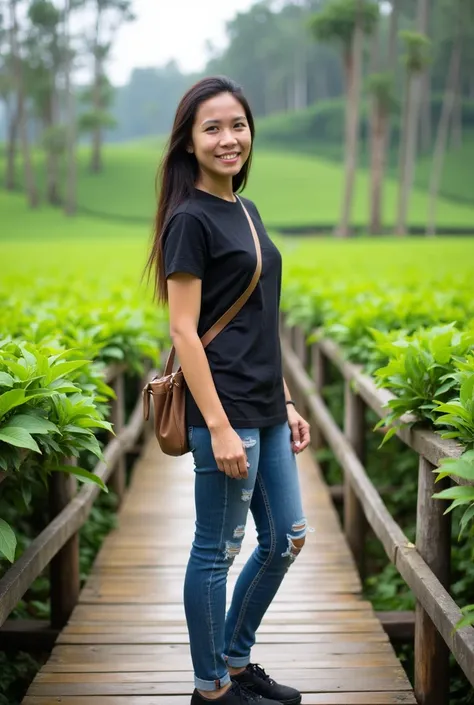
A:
[239,124]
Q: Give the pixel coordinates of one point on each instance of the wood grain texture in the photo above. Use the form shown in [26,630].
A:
[127,641]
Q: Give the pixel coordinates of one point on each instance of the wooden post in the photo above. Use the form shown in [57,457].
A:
[117,481]
[302,351]
[433,542]
[319,372]
[148,426]
[64,567]
[355,523]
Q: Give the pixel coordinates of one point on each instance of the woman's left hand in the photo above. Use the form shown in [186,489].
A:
[300,437]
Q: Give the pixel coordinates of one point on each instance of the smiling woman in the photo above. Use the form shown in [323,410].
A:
[221,141]
[217,267]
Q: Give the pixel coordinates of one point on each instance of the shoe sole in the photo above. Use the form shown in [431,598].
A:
[295,701]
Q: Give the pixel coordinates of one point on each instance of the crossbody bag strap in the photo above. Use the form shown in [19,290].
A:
[221,323]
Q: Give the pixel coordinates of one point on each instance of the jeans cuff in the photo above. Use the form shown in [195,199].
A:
[212,685]
[237,661]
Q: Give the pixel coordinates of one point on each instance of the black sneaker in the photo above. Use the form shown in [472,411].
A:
[237,694]
[257,681]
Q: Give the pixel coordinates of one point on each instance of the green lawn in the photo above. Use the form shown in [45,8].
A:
[288,188]
[48,245]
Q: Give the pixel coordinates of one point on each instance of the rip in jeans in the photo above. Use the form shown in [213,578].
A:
[293,550]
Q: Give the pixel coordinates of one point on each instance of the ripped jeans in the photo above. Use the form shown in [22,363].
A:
[272,494]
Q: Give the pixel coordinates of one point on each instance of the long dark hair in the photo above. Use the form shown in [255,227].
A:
[179,169]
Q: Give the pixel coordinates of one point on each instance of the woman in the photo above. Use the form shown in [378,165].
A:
[244,430]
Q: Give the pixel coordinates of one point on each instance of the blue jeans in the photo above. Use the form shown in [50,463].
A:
[272,493]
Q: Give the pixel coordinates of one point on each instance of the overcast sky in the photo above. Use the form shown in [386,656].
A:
[171,29]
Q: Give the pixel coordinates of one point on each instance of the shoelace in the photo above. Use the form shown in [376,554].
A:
[246,695]
[261,673]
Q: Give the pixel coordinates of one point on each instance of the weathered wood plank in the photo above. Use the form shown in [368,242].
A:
[433,541]
[117,417]
[346,680]
[64,567]
[346,698]
[355,523]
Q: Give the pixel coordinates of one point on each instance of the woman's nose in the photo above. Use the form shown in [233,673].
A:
[228,139]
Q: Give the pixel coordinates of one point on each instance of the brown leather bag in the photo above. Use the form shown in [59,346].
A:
[168,391]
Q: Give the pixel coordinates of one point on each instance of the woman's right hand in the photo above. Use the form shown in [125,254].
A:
[229,452]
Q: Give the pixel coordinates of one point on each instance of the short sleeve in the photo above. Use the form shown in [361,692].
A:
[185,246]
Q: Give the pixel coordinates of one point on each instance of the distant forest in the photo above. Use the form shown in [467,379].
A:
[281,66]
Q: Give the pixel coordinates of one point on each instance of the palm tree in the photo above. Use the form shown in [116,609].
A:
[416,60]
[446,116]
[346,22]
[30,182]
[71,163]
[380,87]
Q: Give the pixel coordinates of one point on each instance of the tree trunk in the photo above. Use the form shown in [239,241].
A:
[425,127]
[408,152]
[426,130]
[30,182]
[52,160]
[456,122]
[52,179]
[442,134]
[11,149]
[96,156]
[70,204]
[301,81]
[377,166]
[392,37]
[353,78]
[376,157]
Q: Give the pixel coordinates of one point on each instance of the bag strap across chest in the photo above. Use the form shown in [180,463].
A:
[226,317]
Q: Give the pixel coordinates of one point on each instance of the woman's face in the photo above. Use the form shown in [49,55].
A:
[221,139]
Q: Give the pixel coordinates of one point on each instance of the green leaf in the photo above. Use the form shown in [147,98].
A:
[32,424]
[467,390]
[9,400]
[18,437]
[7,541]
[465,519]
[466,621]
[82,475]
[90,443]
[458,492]
[64,368]
[6,380]
[461,467]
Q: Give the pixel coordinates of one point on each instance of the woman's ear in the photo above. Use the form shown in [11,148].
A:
[190,149]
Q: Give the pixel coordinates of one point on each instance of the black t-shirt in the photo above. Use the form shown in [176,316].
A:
[210,238]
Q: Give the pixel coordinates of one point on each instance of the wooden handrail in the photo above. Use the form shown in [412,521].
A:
[57,545]
[424,567]
[422,441]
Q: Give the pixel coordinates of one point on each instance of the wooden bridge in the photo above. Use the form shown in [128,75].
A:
[123,639]
[126,641]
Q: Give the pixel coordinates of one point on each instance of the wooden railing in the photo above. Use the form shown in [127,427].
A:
[425,566]
[58,544]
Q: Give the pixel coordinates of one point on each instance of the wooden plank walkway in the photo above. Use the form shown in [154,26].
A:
[126,641]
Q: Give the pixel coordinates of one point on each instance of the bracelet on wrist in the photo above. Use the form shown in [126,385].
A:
[290,401]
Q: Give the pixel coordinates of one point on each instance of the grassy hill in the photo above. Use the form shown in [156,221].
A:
[47,245]
[290,189]
[319,131]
